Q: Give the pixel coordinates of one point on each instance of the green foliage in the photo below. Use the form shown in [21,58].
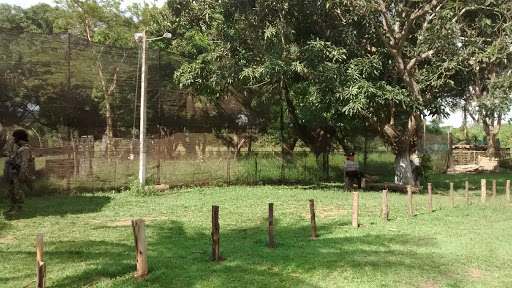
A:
[139,190]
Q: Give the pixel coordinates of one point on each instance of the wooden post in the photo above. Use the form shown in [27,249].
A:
[139,236]
[508,190]
[451,195]
[430,209]
[494,190]
[409,194]
[355,209]
[271,226]
[484,190]
[229,168]
[385,214]
[467,192]
[158,163]
[41,266]
[215,234]
[313,222]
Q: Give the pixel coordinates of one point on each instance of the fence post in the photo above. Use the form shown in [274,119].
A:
[158,163]
[355,209]
[313,221]
[41,266]
[467,192]
[139,235]
[409,194]
[484,190]
[430,209]
[229,169]
[385,214]
[494,190]
[508,190]
[451,195]
[215,234]
[271,226]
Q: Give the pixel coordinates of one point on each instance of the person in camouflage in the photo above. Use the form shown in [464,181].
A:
[18,170]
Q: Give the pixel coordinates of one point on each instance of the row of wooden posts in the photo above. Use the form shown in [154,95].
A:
[139,232]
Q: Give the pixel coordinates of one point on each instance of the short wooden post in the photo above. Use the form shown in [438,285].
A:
[385,214]
[430,208]
[215,234]
[139,235]
[467,192]
[494,190]
[41,266]
[313,222]
[508,190]
[451,195]
[271,226]
[409,194]
[355,209]
[484,190]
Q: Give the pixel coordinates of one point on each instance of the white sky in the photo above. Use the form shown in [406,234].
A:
[28,3]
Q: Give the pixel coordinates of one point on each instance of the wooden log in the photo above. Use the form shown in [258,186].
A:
[508,190]
[313,221]
[41,267]
[430,208]
[141,249]
[355,209]
[215,234]
[451,195]
[390,187]
[467,192]
[484,190]
[385,213]
[409,196]
[271,244]
[494,190]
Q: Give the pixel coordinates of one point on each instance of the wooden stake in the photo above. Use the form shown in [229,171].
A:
[139,236]
[313,222]
[385,204]
[271,226]
[409,194]
[430,209]
[451,195]
[484,190]
[355,209]
[508,190]
[41,267]
[467,192]
[215,234]
[494,190]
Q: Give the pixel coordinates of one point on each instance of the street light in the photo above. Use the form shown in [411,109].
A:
[143,102]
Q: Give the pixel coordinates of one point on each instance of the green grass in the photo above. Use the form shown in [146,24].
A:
[88,239]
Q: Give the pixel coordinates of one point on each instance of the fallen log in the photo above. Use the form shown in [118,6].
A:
[391,187]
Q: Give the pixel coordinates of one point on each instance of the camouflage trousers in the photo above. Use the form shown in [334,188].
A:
[17,194]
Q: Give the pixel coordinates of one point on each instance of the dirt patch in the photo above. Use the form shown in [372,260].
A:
[6,240]
[476,273]
[429,284]
[95,221]
[327,212]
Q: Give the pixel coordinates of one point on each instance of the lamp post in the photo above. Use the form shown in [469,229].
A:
[143,102]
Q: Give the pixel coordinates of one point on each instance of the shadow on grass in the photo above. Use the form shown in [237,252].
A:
[58,206]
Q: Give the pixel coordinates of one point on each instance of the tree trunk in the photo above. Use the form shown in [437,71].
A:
[110,134]
[403,170]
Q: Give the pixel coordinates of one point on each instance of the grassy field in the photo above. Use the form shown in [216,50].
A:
[89,240]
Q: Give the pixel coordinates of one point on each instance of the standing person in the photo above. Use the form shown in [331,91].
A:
[17,167]
[351,168]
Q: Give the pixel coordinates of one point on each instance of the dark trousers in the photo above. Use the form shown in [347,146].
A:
[355,175]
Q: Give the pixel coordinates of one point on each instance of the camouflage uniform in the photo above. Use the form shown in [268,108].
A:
[20,154]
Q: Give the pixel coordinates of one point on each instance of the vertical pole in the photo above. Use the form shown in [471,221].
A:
[430,208]
[41,266]
[355,209]
[141,249]
[313,222]
[271,226]
[256,167]
[215,234]
[508,190]
[494,190]
[484,190]
[158,164]
[451,195]
[409,196]
[228,172]
[281,127]
[467,192]
[143,104]
[385,214]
